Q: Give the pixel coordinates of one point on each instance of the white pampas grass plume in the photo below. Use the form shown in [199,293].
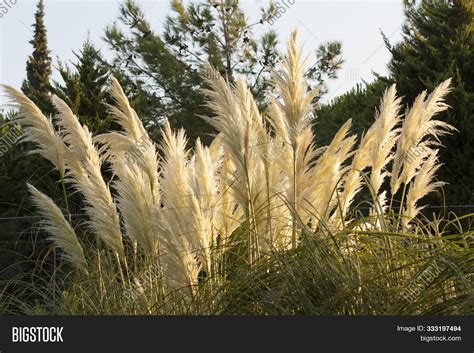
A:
[296,102]
[133,144]
[134,162]
[58,227]
[414,143]
[240,128]
[292,121]
[228,215]
[38,129]
[422,185]
[234,120]
[123,113]
[178,235]
[291,117]
[84,172]
[76,136]
[137,206]
[203,177]
[385,137]
[328,171]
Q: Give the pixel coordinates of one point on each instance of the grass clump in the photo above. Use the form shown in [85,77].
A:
[262,221]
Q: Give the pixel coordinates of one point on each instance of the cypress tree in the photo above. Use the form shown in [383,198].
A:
[38,67]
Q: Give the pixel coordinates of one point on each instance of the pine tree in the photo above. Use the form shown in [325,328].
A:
[85,88]
[38,67]
[166,69]
[438,44]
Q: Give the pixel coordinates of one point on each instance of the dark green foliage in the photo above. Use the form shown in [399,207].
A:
[438,43]
[330,275]
[17,167]
[85,88]
[359,104]
[38,68]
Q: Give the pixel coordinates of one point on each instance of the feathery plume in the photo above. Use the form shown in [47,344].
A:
[177,220]
[84,172]
[295,106]
[328,171]
[296,102]
[414,144]
[136,205]
[202,172]
[385,137]
[421,186]
[38,129]
[62,234]
[133,144]
[228,215]
[240,127]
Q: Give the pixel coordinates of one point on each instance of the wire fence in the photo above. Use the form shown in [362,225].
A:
[25,236]
[80,215]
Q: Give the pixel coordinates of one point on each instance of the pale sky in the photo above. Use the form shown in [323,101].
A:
[355,23]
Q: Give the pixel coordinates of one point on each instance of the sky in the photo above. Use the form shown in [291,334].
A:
[356,24]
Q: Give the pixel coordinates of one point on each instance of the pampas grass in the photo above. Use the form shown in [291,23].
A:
[414,144]
[259,197]
[296,108]
[84,172]
[422,185]
[61,231]
[178,217]
[38,129]
[329,171]
[386,133]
